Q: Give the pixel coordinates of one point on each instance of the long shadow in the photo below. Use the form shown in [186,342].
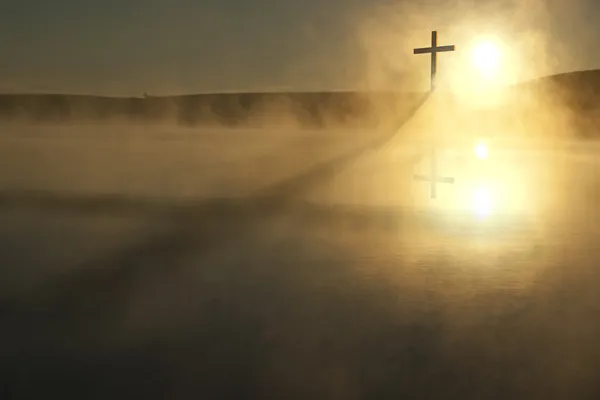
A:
[326,170]
[198,227]
[307,332]
[389,219]
[262,200]
[92,296]
[115,204]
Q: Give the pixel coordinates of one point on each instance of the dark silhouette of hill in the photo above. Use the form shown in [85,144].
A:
[577,91]
[567,103]
[562,106]
[309,109]
[581,81]
[580,90]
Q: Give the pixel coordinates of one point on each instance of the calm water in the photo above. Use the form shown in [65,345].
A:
[332,296]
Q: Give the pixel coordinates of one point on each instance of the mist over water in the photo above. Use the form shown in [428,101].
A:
[266,245]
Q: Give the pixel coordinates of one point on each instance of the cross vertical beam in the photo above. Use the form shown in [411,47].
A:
[434,179]
[433,60]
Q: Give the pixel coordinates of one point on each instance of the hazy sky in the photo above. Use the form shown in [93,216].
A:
[127,47]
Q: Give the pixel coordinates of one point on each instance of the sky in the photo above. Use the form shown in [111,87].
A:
[131,47]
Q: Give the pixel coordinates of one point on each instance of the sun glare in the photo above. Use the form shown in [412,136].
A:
[487,64]
[482,202]
[486,57]
[481,151]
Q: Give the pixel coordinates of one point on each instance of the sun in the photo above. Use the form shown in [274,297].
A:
[488,64]
[486,58]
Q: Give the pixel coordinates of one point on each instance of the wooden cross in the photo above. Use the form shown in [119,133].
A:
[433,50]
[434,178]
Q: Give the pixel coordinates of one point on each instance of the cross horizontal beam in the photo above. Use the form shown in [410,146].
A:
[438,49]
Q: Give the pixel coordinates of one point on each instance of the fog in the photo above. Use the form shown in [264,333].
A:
[227,146]
[276,245]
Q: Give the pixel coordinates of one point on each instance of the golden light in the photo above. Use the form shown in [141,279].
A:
[478,75]
[482,202]
[486,58]
[481,151]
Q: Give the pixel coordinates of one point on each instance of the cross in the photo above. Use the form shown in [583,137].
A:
[434,179]
[433,50]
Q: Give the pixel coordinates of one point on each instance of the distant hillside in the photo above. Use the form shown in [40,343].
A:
[579,92]
[311,109]
[564,105]
[577,80]
[559,106]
